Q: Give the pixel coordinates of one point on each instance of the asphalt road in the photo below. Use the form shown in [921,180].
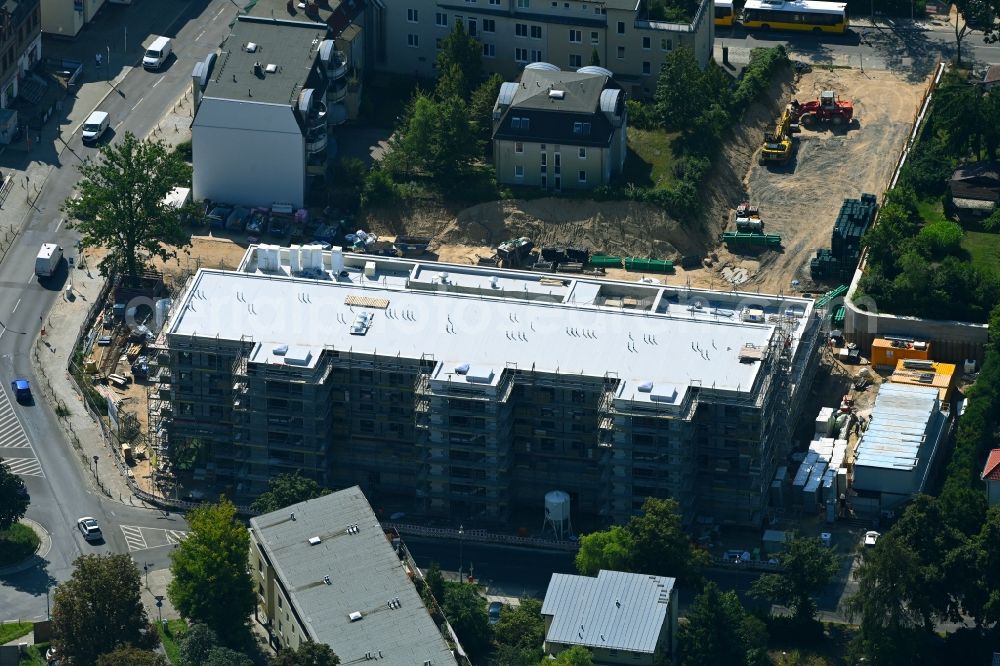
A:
[60,492]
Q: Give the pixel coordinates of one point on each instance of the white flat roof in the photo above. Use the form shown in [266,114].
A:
[552,323]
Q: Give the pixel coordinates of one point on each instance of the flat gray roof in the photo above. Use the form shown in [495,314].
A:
[290,46]
[615,610]
[364,573]
[666,340]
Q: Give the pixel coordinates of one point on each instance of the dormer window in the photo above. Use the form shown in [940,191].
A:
[582,129]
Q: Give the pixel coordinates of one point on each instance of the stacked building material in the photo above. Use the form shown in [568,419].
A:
[838,262]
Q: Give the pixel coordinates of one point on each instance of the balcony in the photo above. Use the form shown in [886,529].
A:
[337,91]
[338,66]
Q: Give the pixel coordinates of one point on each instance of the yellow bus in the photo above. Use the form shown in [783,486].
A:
[796,15]
[724,14]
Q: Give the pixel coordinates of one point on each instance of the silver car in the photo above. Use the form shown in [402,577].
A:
[90,529]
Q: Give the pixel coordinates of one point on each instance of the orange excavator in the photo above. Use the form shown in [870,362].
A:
[777,148]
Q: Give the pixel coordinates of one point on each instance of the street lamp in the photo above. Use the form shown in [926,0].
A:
[461,546]
[96,458]
[109,62]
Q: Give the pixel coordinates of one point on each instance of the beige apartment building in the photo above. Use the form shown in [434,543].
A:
[514,33]
[66,18]
[559,130]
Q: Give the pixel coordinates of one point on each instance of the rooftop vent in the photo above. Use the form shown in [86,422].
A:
[326,579]
[355,616]
[557,94]
[362,322]
[251,47]
[280,350]
[271,68]
[394,603]
[353,529]
[645,387]
[314,541]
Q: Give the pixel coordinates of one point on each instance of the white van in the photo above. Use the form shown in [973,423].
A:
[95,126]
[157,53]
[48,259]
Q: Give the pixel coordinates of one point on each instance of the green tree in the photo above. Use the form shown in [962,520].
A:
[719,631]
[435,581]
[462,51]
[519,634]
[662,548]
[886,240]
[595,57]
[807,565]
[976,15]
[465,609]
[435,138]
[13,498]
[484,98]
[681,92]
[100,609]
[131,656]
[196,643]
[211,583]
[307,654]
[223,656]
[285,490]
[575,656]
[119,206]
[609,549]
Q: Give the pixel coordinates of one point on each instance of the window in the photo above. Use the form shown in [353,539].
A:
[576,61]
[621,27]
[536,55]
[545,159]
[600,10]
[521,55]
[518,147]
[595,37]
[489,25]
[523,4]
[645,68]
[489,51]
[645,42]
[582,176]
[472,27]
[495,3]
[413,41]
[583,153]
[575,36]
[441,20]
[520,29]
[536,32]
[545,181]
[666,44]
[621,52]
[411,15]
[582,129]
[518,171]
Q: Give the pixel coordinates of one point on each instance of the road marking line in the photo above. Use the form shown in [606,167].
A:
[219,13]
[25,466]
[137,103]
[30,279]
[158,80]
[18,301]
[200,34]
[61,221]
[134,537]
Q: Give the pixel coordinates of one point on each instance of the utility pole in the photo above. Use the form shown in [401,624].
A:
[461,547]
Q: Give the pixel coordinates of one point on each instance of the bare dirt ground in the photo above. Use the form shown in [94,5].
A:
[801,201]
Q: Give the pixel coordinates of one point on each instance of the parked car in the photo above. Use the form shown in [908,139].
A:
[871,536]
[90,529]
[22,391]
[217,216]
[494,611]
[238,219]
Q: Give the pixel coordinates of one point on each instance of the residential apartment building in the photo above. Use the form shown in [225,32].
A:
[514,33]
[560,130]
[261,126]
[466,392]
[20,45]
[621,618]
[326,572]
[66,18]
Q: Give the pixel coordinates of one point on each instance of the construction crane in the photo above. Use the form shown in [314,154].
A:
[829,108]
[777,148]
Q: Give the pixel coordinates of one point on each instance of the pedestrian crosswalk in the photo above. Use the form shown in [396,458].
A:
[15,449]
[145,538]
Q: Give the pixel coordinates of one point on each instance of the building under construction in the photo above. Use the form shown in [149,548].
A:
[467,393]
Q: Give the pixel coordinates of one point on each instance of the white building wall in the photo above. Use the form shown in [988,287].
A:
[248,154]
[59,17]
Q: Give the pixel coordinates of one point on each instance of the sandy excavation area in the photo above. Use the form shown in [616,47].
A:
[800,201]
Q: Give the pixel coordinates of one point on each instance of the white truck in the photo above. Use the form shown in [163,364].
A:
[48,259]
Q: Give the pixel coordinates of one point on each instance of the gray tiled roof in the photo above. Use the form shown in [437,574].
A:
[616,610]
[365,573]
[292,47]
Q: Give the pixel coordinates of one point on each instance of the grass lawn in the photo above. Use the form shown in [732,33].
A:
[650,159]
[169,637]
[9,632]
[17,543]
[931,211]
[984,248]
[35,655]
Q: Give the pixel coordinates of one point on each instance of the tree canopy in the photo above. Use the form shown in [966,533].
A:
[435,139]
[211,583]
[807,565]
[307,654]
[519,633]
[465,609]
[653,542]
[131,656]
[460,60]
[285,490]
[977,15]
[119,206]
[200,646]
[575,656]
[481,107]
[719,631]
[13,499]
[681,91]
[100,609]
